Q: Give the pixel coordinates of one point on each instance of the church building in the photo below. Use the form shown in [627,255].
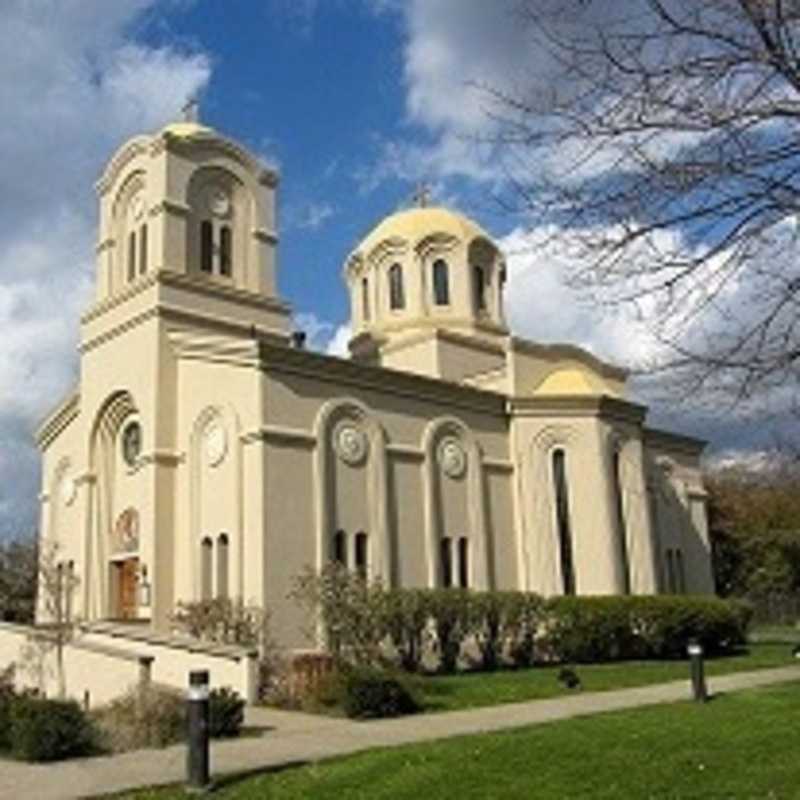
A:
[205,452]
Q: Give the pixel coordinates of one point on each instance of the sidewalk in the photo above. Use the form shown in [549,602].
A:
[293,738]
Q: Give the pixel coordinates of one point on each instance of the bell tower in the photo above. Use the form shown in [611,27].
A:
[191,205]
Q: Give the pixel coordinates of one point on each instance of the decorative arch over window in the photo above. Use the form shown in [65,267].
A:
[397,297]
[563,521]
[349,437]
[452,454]
[441,283]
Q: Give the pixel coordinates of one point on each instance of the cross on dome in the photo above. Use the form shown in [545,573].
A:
[422,196]
[191,110]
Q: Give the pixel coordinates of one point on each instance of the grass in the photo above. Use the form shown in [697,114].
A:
[737,747]
[475,690]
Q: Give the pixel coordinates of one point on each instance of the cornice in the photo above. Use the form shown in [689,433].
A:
[279,433]
[674,441]
[267,236]
[57,420]
[577,406]
[331,369]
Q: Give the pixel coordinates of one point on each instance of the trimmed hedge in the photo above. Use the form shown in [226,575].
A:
[429,627]
[50,730]
[370,693]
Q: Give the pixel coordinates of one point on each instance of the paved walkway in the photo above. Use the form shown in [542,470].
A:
[293,738]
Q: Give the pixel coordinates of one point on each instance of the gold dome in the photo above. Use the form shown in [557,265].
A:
[412,225]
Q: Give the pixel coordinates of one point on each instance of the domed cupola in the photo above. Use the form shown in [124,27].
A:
[423,271]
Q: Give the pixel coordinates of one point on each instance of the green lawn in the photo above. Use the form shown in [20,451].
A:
[737,747]
[473,690]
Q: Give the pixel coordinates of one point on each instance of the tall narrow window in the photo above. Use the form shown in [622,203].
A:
[397,297]
[70,587]
[206,548]
[479,287]
[441,283]
[365,299]
[563,520]
[670,572]
[132,256]
[340,548]
[222,565]
[463,562]
[225,251]
[206,246]
[361,554]
[446,562]
[621,532]
[143,249]
[680,572]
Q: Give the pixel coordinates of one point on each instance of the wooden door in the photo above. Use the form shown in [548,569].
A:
[127,578]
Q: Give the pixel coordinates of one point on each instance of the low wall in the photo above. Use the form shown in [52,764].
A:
[92,674]
[174,658]
[99,666]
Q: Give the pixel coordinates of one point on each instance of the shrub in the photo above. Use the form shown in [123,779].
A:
[524,612]
[369,693]
[449,609]
[406,615]
[7,697]
[586,629]
[150,717]
[226,713]
[50,730]
[351,610]
[224,621]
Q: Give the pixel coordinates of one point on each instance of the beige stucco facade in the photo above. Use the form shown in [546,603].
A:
[205,453]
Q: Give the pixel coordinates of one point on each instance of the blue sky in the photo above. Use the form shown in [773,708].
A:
[356,101]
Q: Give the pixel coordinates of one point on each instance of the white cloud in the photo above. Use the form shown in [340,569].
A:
[337,346]
[75,86]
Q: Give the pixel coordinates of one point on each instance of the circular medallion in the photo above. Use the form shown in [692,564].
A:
[452,458]
[219,202]
[137,207]
[350,443]
[69,491]
[216,445]
[132,443]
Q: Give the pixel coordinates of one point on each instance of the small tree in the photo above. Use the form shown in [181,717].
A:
[55,585]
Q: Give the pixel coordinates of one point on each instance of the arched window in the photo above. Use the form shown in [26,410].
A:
[361,554]
[143,249]
[621,528]
[479,287]
[132,256]
[561,490]
[446,562]
[206,548]
[339,553]
[225,251]
[365,299]
[397,297]
[441,283]
[222,565]
[463,562]
[206,246]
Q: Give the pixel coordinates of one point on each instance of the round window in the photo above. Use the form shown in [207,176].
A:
[132,443]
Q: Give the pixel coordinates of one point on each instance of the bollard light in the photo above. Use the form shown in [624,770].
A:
[197,756]
[699,690]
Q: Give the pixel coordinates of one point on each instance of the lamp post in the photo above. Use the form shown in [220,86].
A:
[699,690]
[197,756]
